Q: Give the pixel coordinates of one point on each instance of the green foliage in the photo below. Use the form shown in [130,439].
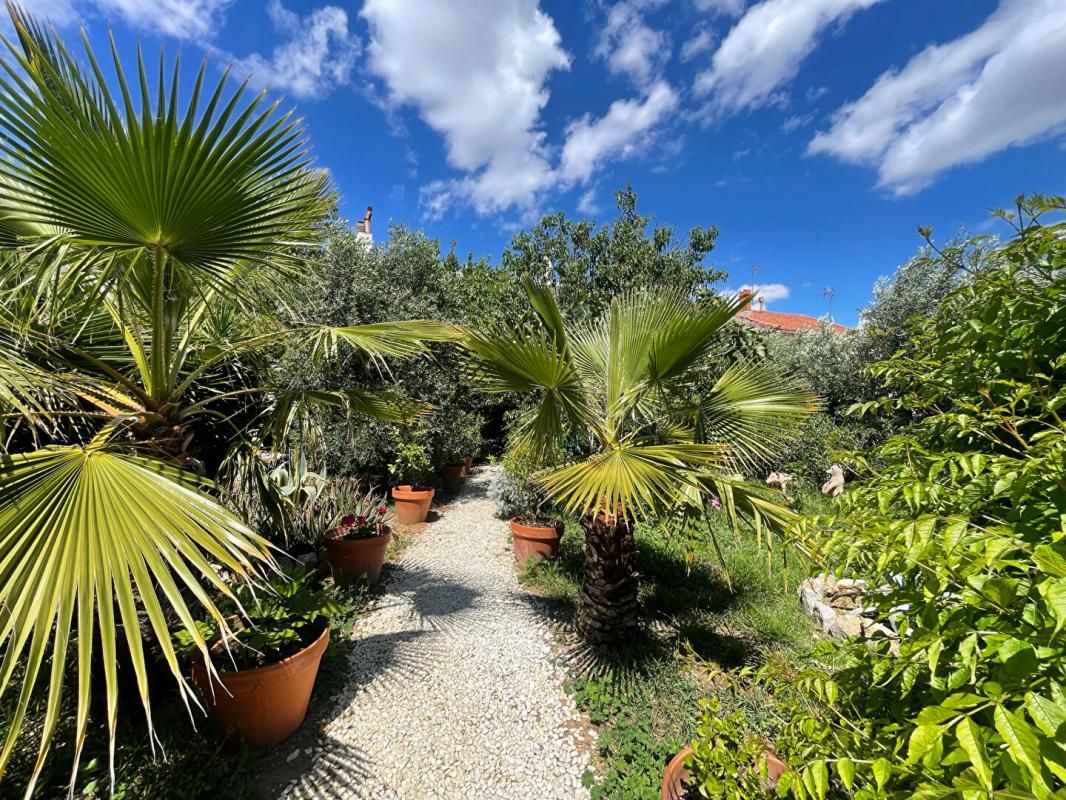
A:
[270,622]
[411,465]
[593,264]
[454,435]
[963,526]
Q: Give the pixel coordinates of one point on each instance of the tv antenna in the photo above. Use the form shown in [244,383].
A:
[751,286]
[828,293]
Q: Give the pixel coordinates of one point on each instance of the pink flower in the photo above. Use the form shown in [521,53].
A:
[716,504]
[361,520]
[383,510]
[347,521]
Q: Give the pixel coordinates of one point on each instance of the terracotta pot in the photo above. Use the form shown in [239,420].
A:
[536,541]
[351,559]
[412,503]
[468,465]
[451,476]
[674,777]
[266,705]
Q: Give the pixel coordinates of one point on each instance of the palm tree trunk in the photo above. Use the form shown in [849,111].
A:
[607,612]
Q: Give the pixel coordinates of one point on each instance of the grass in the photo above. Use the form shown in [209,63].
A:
[645,697]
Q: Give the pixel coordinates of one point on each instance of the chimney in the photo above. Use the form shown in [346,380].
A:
[762,303]
[745,296]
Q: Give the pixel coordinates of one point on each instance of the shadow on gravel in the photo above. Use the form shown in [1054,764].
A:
[332,770]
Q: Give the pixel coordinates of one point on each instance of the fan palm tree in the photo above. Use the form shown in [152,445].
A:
[628,385]
[141,242]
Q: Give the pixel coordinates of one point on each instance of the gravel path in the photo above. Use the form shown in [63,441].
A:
[453,693]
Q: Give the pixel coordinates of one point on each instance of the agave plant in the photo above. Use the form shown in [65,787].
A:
[141,243]
[628,386]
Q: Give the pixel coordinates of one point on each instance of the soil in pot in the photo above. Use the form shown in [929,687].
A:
[266,705]
[451,475]
[412,503]
[354,559]
[537,540]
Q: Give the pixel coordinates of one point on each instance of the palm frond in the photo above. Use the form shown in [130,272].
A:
[753,408]
[631,479]
[527,360]
[84,531]
[381,339]
[204,186]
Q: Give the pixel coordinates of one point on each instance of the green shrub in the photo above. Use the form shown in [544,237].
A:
[963,528]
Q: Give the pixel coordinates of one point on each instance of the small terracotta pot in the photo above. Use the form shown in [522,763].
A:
[536,541]
[351,559]
[468,465]
[412,503]
[451,475]
[674,777]
[266,705]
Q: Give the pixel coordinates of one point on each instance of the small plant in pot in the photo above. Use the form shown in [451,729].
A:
[359,534]
[518,496]
[411,494]
[456,438]
[259,681]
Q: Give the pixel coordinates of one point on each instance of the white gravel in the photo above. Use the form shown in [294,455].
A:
[453,691]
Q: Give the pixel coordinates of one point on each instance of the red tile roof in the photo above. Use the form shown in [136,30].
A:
[786,323]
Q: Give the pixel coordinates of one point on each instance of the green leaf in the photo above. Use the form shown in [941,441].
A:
[846,771]
[968,733]
[1022,744]
[881,770]
[921,740]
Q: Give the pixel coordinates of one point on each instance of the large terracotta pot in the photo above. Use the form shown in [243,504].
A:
[674,777]
[535,541]
[451,476]
[412,503]
[351,559]
[468,465]
[263,706]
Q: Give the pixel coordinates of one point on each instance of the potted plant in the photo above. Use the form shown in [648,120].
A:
[457,436]
[411,495]
[258,682]
[359,535]
[519,498]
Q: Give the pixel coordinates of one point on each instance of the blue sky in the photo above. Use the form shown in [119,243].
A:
[816,134]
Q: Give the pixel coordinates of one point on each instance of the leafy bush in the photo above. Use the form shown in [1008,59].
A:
[270,622]
[963,526]
[411,466]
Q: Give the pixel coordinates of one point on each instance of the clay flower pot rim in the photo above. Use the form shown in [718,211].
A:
[407,488]
[277,665]
[541,524]
[386,531]
[675,775]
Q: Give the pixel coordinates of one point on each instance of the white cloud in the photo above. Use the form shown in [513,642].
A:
[727,8]
[621,132]
[765,48]
[57,12]
[318,55]
[769,292]
[996,87]
[629,46]
[587,203]
[797,121]
[476,71]
[182,19]
[694,47]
